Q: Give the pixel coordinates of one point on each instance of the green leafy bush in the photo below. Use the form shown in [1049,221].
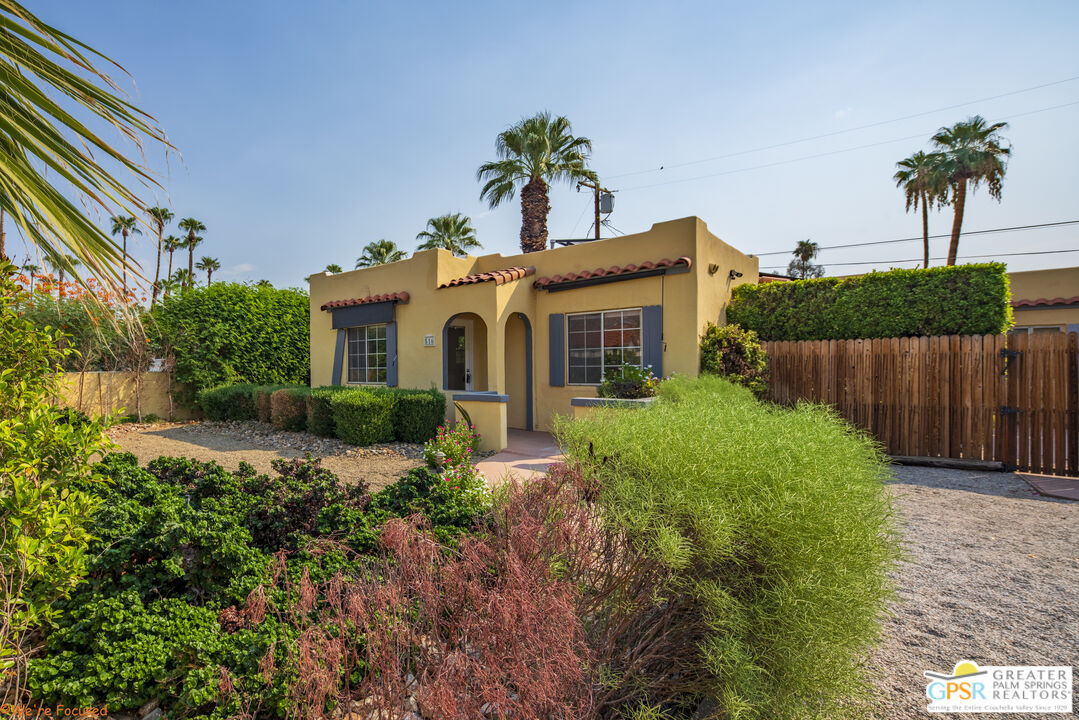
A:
[629,382]
[363,418]
[320,411]
[959,300]
[288,408]
[457,445]
[234,333]
[229,402]
[454,502]
[775,527]
[416,413]
[46,480]
[736,354]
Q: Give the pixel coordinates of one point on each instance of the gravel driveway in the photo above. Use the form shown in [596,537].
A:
[991,574]
[229,443]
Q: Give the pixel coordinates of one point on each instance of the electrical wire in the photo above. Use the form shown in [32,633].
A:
[960,257]
[845,130]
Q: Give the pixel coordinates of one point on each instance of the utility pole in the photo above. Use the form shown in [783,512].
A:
[596,190]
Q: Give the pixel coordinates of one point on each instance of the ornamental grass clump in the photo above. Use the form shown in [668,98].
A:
[776,527]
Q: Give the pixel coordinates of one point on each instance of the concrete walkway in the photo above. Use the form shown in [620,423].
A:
[528,454]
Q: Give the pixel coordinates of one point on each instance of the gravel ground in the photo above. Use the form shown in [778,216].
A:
[991,574]
[229,443]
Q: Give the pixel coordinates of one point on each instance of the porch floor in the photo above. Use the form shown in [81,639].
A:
[527,454]
[1065,488]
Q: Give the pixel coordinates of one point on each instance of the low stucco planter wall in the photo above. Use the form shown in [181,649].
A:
[585,406]
[489,414]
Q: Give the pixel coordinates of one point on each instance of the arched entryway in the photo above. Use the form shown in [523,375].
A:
[464,353]
[518,364]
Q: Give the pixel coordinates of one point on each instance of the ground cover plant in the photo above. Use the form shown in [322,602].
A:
[775,527]
[959,300]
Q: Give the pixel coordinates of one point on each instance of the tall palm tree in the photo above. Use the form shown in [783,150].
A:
[208,265]
[184,278]
[160,217]
[53,159]
[973,154]
[531,155]
[450,232]
[172,244]
[334,268]
[924,184]
[802,266]
[125,225]
[379,253]
[193,228]
[30,269]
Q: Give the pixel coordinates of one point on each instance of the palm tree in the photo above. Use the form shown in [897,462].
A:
[160,217]
[124,225]
[450,232]
[193,228]
[802,265]
[209,265]
[379,253]
[183,277]
[923,184]
[334,268]
[172,244]
[30,269]
[50,151]
[973,154]
[169,285]
[532,154]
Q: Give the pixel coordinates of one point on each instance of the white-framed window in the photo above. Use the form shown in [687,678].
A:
[600,344]
[1036,329]
[367,354]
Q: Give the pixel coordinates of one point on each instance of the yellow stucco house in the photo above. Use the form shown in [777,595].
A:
[1045,300]
[516,338]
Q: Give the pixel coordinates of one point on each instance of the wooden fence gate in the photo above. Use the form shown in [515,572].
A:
[1011,399]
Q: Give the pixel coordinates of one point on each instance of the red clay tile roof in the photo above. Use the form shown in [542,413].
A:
[613,270]
[401,297]
[499,276]
[1046,302]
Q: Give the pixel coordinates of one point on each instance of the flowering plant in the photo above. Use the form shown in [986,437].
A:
[457,446]
[629,381]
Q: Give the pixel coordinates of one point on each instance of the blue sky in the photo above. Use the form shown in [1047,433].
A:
[310,129]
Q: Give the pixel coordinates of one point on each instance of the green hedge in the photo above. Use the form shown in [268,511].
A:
[320,413]
[235,333]
[229,402]
[288,408]
[363,418]
[417,414]
[959,300]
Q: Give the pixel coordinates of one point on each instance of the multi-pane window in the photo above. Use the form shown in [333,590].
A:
[367,354]
[600,344]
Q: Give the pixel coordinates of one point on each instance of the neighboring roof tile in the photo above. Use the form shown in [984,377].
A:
[1046,302]
[401,297]
[500,277]
[613,270]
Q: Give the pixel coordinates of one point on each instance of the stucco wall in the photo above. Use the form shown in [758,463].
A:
[101,393]
[1047,284]
[689,300]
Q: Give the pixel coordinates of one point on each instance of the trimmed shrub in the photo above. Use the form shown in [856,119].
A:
[236,333]
[320,413]
[363,418]
[775,528]
[288,408]
[736,354]
[959,300]
[417,414]
[229,402]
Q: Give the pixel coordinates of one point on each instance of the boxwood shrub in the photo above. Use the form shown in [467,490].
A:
[288,408]
[362,417]
[229,402]
[320,413]
[959,300]
[776,523]
[417,414]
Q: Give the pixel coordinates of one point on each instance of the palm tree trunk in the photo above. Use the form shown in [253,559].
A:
[124,268]
[925,231]
[957,223]
[3,240]
[157,272]
[190,259]
[535,206]
[209,274]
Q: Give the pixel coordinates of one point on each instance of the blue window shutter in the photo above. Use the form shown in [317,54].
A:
[652,338]
[338,356]
[391,354]
[556,341]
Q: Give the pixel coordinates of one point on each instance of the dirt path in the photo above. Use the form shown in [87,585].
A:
[991,574]
[234,442]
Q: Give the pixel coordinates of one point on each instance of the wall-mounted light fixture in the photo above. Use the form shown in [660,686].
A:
[713,269]
[734,274]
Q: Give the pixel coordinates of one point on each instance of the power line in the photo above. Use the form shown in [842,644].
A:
[819,155]
[961,257]
[846,130]
[1013,228]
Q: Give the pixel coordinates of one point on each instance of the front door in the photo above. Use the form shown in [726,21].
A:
[459,367]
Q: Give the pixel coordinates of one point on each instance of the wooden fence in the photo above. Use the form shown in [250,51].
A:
[1011,399]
